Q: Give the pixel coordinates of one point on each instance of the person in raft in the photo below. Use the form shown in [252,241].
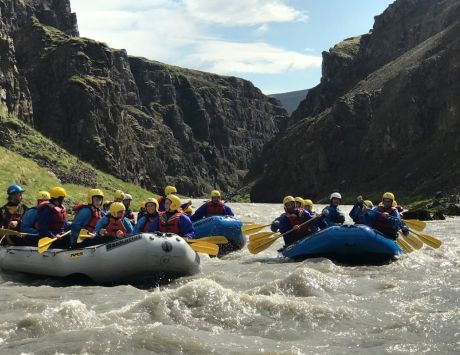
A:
[128,213]
[356,213]
[170,190]
[334,216]
[309,206]
[29,223]
[173,220]
[385,218]
[214,207]
[113,226]
[142,212]
[87,216]
[291,219]
[148,217]
[118,196]
[12,212]
[52,218]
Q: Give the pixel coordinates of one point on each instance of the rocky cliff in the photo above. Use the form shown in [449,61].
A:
[140,120]
[386,115]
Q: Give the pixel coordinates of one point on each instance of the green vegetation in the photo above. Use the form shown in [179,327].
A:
[37,163]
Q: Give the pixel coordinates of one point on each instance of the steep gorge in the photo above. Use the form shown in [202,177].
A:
[386,115]
[140,120]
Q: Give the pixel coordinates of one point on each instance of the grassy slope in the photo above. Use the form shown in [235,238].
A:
[35,163]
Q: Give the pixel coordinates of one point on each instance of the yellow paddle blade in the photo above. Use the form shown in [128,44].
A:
[429,240]
[83,235]
[413,241]
[215,239]
[404,246]
[257,246]
[45,243]
[415,224]
[261,235]
[253,228]
[205,248]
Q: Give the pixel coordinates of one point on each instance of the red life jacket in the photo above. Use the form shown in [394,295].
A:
[296,219]
[148,222]
[58,218]
[170,225]
[383,225]
[95,216]
[215,209]
[115,225]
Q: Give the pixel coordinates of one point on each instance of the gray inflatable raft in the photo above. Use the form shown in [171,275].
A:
[132,259]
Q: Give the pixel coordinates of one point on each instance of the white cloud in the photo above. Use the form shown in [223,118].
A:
[243,12]
[183,32]
[231,57]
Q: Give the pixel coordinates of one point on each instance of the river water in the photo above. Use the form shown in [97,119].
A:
[249,304]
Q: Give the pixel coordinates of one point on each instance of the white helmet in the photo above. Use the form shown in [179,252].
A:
[335,195]
[127,197]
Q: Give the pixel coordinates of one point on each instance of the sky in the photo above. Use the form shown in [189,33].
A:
[276,44]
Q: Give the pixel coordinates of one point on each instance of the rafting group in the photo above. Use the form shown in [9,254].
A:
[386,217]
[97,222]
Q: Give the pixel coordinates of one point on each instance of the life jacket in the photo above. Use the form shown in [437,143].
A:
[58,218]
[215,209]
[296,219]
[170,225]
[382,224]
[12,213]
[115,225]
[95,216]
[148,221]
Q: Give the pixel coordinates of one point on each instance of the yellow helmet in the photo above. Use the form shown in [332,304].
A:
[142,205]
[57,192]
[288,199]
[116,207]
[389,196]
[169,190]
[175,202]
[43,195]
[300,200]
[368,203]
[215,193]
[93,193]
[394,204]
[151,200]
[308,203]
[118,195]
[188,210]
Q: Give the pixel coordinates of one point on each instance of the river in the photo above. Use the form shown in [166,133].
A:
[249,304]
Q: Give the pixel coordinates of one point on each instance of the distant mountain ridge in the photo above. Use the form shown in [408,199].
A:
[291,100]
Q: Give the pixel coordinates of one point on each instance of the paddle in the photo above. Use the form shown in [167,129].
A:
[13,233]
[204,247]
[211,239]
[261,235]
[404,246]
[253,228]
[255,246]
[429,240]
[413,241]
[45,243]
[415,224]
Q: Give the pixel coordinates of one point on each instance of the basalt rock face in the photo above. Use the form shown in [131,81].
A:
[140,120]
[386,115]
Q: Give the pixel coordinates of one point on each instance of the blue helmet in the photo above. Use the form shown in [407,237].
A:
[13,189]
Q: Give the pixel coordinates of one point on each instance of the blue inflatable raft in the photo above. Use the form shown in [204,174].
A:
[226,226]
[350,244]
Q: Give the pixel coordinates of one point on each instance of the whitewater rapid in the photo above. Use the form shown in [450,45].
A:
[249,304]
